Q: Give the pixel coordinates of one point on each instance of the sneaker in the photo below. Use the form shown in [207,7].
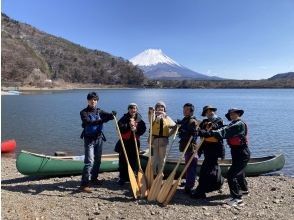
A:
[97,182]
[244,192]
[235,202]
[85,189]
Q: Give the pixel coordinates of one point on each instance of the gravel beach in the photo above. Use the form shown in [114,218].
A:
[271,197]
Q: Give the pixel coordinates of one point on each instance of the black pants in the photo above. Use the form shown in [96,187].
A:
[132,156]
[210,178]
[236,174]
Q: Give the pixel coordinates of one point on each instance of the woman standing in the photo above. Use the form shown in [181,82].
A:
[162,126]
[131,122]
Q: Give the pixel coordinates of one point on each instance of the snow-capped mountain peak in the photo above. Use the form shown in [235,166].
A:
[151,57]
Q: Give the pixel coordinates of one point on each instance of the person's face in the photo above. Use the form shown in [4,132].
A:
[187,111]
[209,113]
[92,102]
[133,110]
[234,116]
[160,108]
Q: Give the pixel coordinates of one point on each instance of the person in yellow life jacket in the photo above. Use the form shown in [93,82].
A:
[128,124]
[236,134]
[162,128]
[210,178]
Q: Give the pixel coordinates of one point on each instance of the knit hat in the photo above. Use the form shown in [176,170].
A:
[92,95]
[160,103]
[132,104]
[205,108]
[237,110]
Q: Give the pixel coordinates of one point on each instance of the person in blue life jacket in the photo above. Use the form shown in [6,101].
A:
[93,119]
[236,134]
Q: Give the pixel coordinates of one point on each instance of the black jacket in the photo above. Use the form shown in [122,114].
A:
[124,127]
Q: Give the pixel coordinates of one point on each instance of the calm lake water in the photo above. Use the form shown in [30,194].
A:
[49,121]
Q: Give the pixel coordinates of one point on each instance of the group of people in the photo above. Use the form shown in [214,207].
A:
[211,129]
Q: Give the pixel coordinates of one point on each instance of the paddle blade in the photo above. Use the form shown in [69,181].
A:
[141,180]
[171,193]
[155,188]
[166,187]
[133,182]
[149,174]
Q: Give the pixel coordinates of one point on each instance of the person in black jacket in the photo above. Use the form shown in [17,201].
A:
[131,122]
[210,178]
[188,128]
[92,123]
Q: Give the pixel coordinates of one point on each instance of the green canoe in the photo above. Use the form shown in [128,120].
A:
[29,163]
[255,167]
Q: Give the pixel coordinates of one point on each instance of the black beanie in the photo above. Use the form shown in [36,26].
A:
[92,95]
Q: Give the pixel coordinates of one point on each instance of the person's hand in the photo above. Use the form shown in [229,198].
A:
[114,113]
[151,110]
[203,133]
[178,121]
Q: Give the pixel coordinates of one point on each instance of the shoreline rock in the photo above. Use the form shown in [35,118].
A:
[271,197]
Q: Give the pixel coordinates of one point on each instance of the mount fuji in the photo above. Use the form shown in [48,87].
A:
[156,65]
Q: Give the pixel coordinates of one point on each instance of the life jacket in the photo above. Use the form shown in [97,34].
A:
[239,139]
[93,130]
[212,139]
[129,134]
[160,127]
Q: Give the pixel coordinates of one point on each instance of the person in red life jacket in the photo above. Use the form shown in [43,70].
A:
[162,128]
[188,128]
[130,122]
[236,134]
[93,119]
[210,178]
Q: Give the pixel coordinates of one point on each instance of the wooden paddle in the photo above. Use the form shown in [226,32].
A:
[149,168]
[134,185]
[175,185]
[166,187]
[141,179]
[156,185]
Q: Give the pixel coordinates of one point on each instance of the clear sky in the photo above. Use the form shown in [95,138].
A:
[240,39]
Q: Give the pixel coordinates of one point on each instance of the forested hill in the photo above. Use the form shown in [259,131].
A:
[289,75]
[31,57]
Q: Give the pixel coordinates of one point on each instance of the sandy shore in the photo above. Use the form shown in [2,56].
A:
[271,197]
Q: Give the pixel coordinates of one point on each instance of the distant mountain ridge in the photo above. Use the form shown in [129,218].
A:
[157,65]
[31,56]
[289,75]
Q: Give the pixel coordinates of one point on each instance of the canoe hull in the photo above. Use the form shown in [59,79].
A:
[255,167]
[41,165]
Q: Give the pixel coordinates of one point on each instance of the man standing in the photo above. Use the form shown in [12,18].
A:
[92,122]
[188,128]
[131,122]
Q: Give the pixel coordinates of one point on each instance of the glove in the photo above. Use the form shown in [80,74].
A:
[114,113]
[203,133]
[178,121]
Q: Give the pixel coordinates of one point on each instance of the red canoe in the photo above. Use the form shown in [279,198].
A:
[8,146]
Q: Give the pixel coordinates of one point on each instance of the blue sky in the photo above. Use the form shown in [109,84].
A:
[240,39]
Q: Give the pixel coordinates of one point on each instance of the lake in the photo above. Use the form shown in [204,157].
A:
[46,122]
